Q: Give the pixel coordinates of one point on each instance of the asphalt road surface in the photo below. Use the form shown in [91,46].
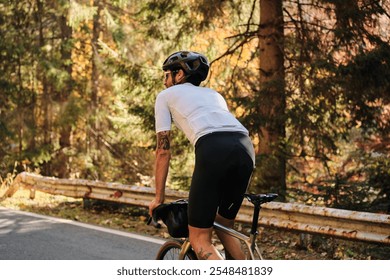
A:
[28,236]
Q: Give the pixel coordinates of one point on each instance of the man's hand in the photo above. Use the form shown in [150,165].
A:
[153,205]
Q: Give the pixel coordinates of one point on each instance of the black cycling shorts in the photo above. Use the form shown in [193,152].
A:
[224,162]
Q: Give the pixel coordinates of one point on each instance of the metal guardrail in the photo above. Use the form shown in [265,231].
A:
[361,226]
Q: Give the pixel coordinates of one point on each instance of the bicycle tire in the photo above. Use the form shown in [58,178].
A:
[170,250]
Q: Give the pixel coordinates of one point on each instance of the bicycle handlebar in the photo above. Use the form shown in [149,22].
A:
[152,222]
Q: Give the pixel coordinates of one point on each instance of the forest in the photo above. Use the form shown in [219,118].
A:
[310,79]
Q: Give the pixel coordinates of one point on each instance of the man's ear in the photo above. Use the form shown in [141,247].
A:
[181,73]
[180,76]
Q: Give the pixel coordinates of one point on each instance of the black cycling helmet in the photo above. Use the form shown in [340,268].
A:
[192,63]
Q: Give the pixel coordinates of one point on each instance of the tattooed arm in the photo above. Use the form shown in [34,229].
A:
[163,156]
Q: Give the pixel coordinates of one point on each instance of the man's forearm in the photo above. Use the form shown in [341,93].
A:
[161,173]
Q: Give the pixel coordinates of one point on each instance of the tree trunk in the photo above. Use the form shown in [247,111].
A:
[46,98]
[271,160]
[95,98]
[65,129]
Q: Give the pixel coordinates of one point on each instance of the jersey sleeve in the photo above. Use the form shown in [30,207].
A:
[162,114]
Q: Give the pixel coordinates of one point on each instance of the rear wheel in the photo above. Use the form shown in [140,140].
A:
[170,250]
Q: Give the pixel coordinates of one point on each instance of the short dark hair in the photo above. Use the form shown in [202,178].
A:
[194,79]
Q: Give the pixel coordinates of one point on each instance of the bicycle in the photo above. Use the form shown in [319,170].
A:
[180,249]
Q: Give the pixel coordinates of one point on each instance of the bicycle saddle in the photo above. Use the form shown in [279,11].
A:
[258,199]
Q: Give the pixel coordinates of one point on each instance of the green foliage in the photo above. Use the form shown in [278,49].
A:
[367,85]
[361,184]
[376,167]
[80,13]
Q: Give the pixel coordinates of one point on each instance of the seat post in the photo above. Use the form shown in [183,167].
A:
[257,200]
[255,220]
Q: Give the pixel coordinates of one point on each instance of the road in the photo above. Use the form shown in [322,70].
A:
[28,236]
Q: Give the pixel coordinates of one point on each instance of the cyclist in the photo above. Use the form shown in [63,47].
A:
[224,154]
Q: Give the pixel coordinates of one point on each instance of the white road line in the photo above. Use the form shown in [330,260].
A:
[98,228]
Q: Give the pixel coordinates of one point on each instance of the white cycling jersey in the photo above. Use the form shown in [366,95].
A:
[197,111]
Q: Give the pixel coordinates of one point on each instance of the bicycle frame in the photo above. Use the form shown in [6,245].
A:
[249,241]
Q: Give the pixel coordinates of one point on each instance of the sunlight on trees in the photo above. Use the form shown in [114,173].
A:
[79,78]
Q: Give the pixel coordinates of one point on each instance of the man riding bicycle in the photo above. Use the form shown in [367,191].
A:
[224,154]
